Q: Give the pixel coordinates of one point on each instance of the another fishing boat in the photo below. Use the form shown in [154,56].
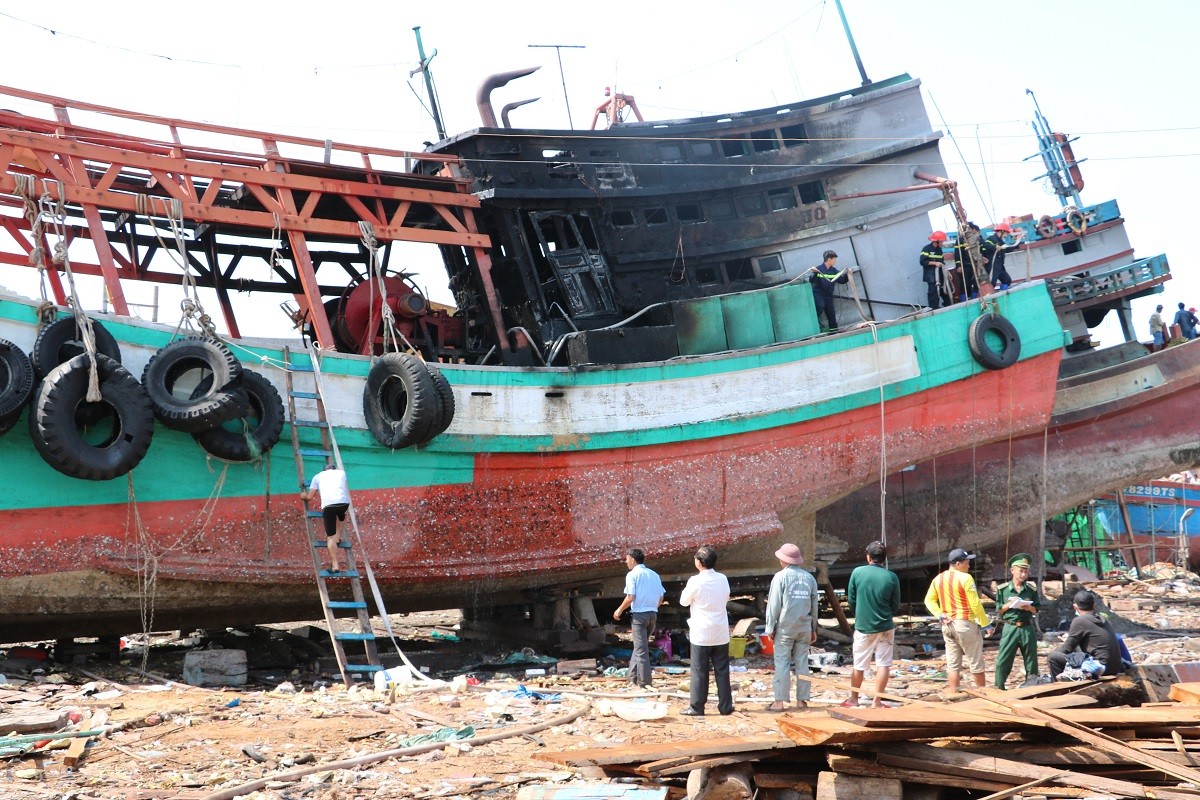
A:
[525,439]
[1162,516]
[1122,414]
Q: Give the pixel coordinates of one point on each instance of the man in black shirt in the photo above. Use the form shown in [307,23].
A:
[1089,635]
[992,250]
[932,262]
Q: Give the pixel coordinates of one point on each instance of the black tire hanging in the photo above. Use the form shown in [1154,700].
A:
[255,433]
[112,442]
[400,402]
[445,398]
[996,326]
[60,341]
[16,384]
[194,385]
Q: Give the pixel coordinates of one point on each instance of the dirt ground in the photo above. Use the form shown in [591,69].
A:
[176,741]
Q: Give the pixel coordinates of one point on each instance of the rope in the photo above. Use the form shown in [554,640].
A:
[27,189]
[55,209]
[369,241]
[1041,557]
[883,462]
[677,276]
[192,310]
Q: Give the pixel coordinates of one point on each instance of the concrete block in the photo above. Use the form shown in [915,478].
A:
[215,668]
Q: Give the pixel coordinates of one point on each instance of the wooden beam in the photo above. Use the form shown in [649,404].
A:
[964,762]
[1122,718]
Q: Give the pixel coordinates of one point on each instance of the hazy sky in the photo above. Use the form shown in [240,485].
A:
[1122,76]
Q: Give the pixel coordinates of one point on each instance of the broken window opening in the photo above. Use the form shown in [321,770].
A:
[1075,246]
[781,199]
[794,135]
[811,192]
[689,213]
[622,218]
[706,276]
[656,216]
[765,141]
[739,269]
[734,146]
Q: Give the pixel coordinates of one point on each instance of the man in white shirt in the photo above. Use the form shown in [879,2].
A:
[707,593]
[330,483]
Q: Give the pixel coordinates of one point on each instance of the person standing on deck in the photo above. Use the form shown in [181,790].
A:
[932,263]
[874,597]
[1018,604]
[330,483]
[707,594]
[1186,320]
[822,285]
[992,250]
[1157,330]
[792,622]
[643,595]
[953,599]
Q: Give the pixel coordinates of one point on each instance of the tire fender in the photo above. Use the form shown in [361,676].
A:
[445,398]
[994,325]
[400,402]
[16,384]
[61,341]
[256,432]
[213,393]
[56,418]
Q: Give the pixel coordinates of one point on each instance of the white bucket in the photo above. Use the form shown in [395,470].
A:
[398,677]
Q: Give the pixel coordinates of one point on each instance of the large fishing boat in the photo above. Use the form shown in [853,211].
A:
[564,412]
[1160,518]
[1123,414]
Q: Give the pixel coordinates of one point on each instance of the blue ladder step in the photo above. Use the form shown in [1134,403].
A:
[363,668]
[346,604]
[306,395]
[342,544]
[354,637]
[312,513]
[328,573]
[299,368]
[305,453]
[310,423]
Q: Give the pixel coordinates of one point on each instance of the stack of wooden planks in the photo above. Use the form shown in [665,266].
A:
[1035,742]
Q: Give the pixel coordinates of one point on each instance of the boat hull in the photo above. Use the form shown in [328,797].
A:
[1125,423]
[491,512]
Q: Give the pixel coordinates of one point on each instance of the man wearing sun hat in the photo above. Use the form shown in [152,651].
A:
[792,622]
[953,599]
[1018,604]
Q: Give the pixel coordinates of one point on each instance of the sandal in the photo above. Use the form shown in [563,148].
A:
[849,704]
[777,707]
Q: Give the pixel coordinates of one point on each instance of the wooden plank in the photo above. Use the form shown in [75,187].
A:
[853,765]
[598,791]
[842,786]
[677,764]
[640,754]
[818,729]
[1049,755]
[1125,718]
[964,762]
[1186,693]
[799,781]
[1016,716]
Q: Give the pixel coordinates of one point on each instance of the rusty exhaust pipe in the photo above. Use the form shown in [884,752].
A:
[483,95]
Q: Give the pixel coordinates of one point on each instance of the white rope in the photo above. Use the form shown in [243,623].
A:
[193,316]
[369,241]
[883,461]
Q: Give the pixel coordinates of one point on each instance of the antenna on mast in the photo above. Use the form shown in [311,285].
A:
[853,47]
[423,68]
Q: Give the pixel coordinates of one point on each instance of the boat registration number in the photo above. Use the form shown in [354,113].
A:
[1151,491]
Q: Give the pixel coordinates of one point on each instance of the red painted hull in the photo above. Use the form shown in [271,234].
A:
[990,498]
[528,523]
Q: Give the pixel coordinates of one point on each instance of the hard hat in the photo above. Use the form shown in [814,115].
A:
[937,236]
[1003,227]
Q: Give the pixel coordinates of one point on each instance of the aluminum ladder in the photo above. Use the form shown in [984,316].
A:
[307,450]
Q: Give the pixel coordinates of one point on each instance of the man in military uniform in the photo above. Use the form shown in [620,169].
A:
[1020,630]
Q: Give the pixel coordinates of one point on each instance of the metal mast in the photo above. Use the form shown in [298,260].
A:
[423,68]
[853,47]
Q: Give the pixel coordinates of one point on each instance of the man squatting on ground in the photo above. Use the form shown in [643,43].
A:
[330,483]
[1090,635]
[791,621]
[707,593]
[643,595]
[1018,603]
[953,599]
[874,598]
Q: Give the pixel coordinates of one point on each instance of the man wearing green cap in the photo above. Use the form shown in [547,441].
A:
[1018,603]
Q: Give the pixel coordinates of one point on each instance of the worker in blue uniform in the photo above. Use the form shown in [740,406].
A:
[823,280]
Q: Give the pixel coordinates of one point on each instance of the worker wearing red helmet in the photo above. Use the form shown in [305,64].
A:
[932,261]
[992,249]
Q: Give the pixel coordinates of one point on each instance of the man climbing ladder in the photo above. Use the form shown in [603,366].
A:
[330,483]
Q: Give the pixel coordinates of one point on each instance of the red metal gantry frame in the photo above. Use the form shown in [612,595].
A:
[96,170]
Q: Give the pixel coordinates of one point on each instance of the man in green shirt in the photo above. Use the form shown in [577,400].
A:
[874,597]
[1018,603]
